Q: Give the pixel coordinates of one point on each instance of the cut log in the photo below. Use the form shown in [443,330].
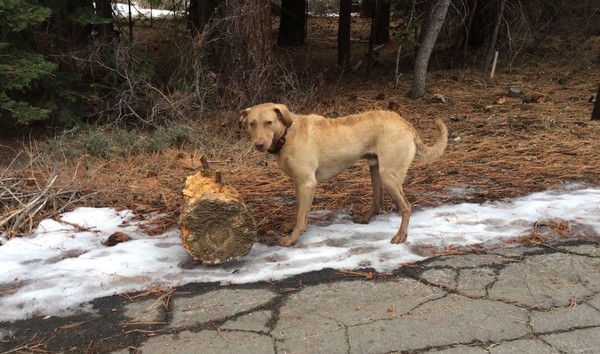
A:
[215,224]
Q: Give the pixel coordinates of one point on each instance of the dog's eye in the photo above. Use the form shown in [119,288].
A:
[251,124]
[268,122]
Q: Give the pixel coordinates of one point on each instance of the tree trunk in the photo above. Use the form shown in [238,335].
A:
[215,224]
[379,11]
[372,37]
[292,27]
[199,12]
[240,49]
[468,32]
[344,34]
[489,55]
[104,10]
[382,28]
[596,111]
[434,25]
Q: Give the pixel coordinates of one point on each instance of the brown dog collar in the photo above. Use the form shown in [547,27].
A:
[279,144]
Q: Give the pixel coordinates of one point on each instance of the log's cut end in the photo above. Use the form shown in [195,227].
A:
[215,224]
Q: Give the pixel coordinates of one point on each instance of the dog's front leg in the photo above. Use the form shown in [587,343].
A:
[290,225]
[304,198]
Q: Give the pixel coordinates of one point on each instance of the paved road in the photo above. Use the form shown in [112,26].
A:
[504,300]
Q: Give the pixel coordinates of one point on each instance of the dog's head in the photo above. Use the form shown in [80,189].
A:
[266,123]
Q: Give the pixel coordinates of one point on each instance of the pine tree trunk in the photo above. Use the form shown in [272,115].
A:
[240,40]
[489,55]
[468,32]
[434,25]
[292,27]
[382,29]
[104,10]
[199,12]
[344,34]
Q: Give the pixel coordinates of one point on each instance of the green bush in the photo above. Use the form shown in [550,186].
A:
[98,144]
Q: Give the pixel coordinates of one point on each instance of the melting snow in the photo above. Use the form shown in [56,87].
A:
[64,264]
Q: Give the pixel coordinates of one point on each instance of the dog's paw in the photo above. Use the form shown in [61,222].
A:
[289,226]
[287,241]
[361,219]
[399,238]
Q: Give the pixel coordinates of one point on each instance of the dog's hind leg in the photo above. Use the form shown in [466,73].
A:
[393,184]
[405,211]
[377,195]
[392,172]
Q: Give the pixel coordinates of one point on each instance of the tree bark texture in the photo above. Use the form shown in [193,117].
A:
[596,110]
[292,27]
[434,25]
[240,40]
[489,55]
[104,10]
[215,224]
[200,12]
[344,34]
[379,10]
[382,30]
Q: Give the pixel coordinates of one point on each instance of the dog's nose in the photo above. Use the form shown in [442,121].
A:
[259,146]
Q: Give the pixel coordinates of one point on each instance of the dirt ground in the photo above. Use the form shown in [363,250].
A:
[500,147]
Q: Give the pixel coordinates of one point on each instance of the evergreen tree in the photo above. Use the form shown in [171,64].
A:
[20,66]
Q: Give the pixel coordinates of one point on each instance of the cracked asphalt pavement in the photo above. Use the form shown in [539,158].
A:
[513,299]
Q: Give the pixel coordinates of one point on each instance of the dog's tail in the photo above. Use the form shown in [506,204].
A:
[430,153]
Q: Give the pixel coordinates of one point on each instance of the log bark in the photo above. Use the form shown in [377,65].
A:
[215,224]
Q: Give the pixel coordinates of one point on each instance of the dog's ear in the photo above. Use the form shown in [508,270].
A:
[243,116]
[284,115]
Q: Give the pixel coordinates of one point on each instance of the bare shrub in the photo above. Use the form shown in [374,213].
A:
[129,94]
[33,192]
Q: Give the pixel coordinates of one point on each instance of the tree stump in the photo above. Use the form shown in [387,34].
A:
[215,224]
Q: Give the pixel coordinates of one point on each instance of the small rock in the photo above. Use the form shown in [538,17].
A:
[457,139]
[488,108]
[514,92]
[592,98]
[116,238]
